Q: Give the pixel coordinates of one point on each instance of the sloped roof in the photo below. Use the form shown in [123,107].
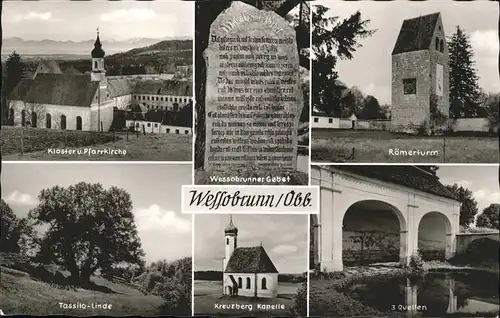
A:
[250,260]
[48,66]
[72,71]
[164,87]
[174,119]
[409,176]
[56,89]
[155,116]
[120,87]
[416,34]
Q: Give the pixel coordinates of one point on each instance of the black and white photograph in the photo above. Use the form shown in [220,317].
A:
[250,265]
[97,80]
[405,82]
[84,239]
[405,241]
[252,92]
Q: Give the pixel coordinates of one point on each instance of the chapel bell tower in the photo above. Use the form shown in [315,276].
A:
[98,72]
[230,237]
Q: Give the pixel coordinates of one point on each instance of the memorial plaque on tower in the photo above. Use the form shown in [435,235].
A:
[253,95]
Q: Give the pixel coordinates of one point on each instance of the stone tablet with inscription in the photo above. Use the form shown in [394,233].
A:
[253,96]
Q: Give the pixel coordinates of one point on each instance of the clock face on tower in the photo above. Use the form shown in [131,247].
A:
[439,79]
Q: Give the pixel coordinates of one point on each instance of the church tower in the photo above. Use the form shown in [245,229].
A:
[230,238]
[98,72]
[420,73]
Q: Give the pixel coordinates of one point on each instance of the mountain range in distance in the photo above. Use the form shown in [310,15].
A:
[45,47]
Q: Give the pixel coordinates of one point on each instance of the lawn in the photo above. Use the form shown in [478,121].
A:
[374,147]
[94,146]
[20,294]
[209,293]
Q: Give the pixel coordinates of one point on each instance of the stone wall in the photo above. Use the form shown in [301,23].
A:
[465,239]
[370,236]
[471,124]
[409,110]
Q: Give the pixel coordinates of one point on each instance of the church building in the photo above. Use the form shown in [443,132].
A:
[74,101]
[248,271]
[420,73]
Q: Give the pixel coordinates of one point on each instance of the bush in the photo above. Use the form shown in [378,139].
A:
[300,302]
[416,264]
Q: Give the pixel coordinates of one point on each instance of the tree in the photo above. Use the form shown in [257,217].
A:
[89,228]
[489,217]
[16,232]
[371,108]
[492,102]
[332,40]
[13,74]
[464,89]
[468,209]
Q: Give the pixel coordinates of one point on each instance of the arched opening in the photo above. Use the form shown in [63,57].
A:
[11,116]
[48,121]
[264,283]
[249,285]
[227,241]
[95,65]
[436,44]
[33,119]
[314,243]
[240,282]
[371,233]
[433,229]
[63,122]
[78,123]
[441,46]
[23,118]
[483,250]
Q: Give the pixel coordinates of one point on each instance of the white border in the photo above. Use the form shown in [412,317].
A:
[308,272]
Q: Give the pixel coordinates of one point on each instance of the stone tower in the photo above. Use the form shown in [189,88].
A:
[420,73]
[230,238]
[98,72]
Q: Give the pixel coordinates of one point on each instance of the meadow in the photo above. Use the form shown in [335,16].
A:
[374,146]
[209,293]
[37,141]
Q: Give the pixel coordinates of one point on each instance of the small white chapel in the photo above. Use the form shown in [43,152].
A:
[248,271]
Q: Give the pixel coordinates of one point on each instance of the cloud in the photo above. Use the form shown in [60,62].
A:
[19,198]
[284,249]
[485,41]
[487,196]
[156,218]
[33,16]
[128,15]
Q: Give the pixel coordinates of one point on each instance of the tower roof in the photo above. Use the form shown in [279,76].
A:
[230,228]
[97,52]
[250,260]
[416,34]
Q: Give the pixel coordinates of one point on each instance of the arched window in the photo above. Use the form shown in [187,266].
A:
[240,282]
[95,64]
[227,241]
[441,46]
[33,119]
[63,122]
[78,123]
[248,283]
[48,121]
[264,283]
[436,44]
[23,118]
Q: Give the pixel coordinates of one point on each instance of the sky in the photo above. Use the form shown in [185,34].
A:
[370,68]
[78,20]
[284,237]
[481,180]
[155,190]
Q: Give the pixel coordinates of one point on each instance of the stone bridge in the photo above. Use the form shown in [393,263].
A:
[465,239]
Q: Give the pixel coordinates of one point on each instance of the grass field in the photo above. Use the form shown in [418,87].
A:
[149,147]
[21,294]
[374,146]
[209,293]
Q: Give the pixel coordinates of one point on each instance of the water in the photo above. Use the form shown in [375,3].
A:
[434,295]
